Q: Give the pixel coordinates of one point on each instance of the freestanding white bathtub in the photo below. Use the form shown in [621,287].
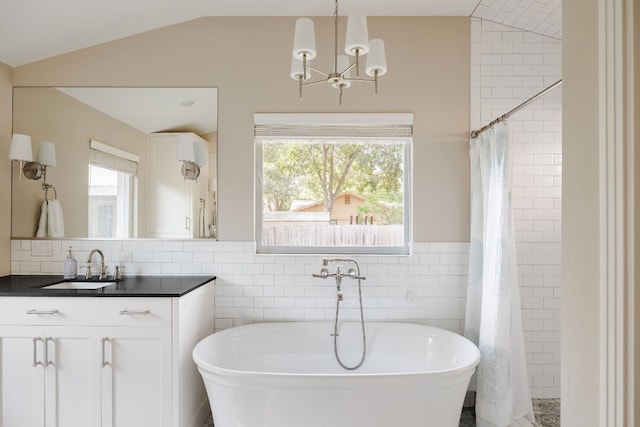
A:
[286,375]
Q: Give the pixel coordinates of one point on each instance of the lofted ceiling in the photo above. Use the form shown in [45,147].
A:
[537,16]
[31,30]
[154,109]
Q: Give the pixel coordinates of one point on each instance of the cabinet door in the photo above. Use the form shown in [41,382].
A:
[173,203]
[22,383]
[136,378]
[169,196]
[72,376]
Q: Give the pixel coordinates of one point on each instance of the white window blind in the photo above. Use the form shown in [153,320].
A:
[109,157]
[333,126]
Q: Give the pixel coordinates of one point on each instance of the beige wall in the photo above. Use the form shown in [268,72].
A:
[636,237]
[580,348]
[248,60]
[6,76]
[48,114]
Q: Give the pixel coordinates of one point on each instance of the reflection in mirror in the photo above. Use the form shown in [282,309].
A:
[117,172]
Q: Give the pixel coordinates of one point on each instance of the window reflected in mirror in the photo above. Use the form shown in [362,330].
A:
[112,203]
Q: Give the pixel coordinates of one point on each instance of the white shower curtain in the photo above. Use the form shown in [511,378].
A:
[493,319]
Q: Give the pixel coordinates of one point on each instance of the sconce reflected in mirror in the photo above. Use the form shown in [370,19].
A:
[192,153]
[46,157]
[21,150]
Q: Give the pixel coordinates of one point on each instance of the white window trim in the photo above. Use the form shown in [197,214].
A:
[313,119]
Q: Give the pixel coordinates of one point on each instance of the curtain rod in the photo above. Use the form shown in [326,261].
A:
[508,114]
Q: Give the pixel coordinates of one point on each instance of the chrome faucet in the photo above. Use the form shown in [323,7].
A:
[103,268]
[351,273]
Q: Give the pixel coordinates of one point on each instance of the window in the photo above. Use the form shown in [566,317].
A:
[112,192]
[333,183]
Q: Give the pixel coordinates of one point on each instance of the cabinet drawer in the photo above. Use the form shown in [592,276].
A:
[49,311]
[135,311]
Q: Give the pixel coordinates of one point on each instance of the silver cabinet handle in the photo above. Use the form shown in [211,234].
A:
[103,360]
[47,362]
[35,356]
[134,312]
[35,311]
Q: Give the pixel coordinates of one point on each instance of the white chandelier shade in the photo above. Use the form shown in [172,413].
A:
[343,64]
[304,41]
[357,44]
[376,60]
[357,38]
[297,70]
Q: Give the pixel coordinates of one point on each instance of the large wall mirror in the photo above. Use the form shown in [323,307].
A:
[129,163]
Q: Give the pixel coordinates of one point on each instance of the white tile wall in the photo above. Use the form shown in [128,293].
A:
[537,16]
[427,287]
[509,66]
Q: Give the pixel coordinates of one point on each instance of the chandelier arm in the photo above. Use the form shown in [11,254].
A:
[314,83]
[375,81]
[347,69]
[360,80]
[317,71]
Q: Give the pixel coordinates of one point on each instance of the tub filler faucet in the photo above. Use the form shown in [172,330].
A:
[339,274]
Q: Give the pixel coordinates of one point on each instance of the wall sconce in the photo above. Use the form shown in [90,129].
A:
[192,154]
[20,149]
[46,157]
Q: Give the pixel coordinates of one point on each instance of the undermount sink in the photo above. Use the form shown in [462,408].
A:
[79,285]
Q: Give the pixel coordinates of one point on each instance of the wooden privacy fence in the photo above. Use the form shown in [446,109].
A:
[332,235]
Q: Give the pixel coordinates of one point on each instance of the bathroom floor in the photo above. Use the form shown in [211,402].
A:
[547,413]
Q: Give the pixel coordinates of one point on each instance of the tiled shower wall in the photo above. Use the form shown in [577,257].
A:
[509,66]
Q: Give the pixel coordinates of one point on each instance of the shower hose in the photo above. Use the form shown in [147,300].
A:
[335,326]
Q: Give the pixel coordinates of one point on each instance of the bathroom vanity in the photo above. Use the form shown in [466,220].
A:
[119,356]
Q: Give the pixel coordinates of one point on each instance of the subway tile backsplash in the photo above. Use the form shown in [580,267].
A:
[428,286]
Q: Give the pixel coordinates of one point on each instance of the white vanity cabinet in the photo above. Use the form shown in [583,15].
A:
[103,362]
[173,203]
[62,386]
[45,362]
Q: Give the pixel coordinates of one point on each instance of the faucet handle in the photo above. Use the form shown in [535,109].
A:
[324,273]
[116,273]
[87,274]
[352,274]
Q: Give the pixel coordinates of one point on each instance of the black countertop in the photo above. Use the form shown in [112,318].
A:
[134,286]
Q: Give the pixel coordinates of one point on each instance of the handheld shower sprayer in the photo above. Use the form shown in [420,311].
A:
[352,273]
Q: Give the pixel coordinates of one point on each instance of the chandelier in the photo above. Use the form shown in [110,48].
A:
[357,44]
